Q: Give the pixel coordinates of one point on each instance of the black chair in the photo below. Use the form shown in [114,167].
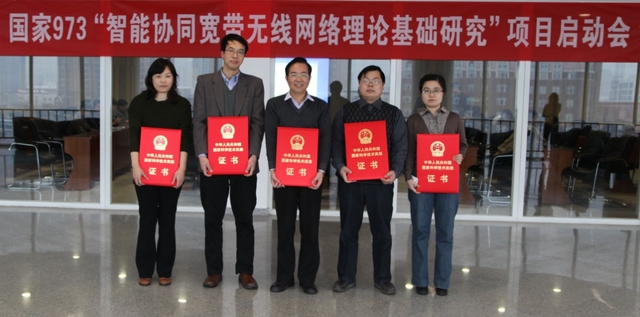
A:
[28,153]
[93,123]
[498,168]
[633,160]
[51,133]
[613,160]
[566,139]
[586,156]
[79,126]
[478,138]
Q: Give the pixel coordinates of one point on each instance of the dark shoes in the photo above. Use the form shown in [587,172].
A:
[307,288]
[247,281]
[144,281]
[310,289]
[422,290]
[212,281]
[164,281]
[278,287]
[386,288]
[342,286]
[441,291]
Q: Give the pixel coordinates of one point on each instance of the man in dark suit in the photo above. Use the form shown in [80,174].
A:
[376,195]
[299,109]
[228,92]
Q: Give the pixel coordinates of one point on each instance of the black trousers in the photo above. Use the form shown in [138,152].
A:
[288,201]
[214,191]
[379,201]
[157,206]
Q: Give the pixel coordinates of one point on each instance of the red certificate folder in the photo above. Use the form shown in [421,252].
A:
[159,155]
[228,141]
[436,169]
[296,156]
[366,150]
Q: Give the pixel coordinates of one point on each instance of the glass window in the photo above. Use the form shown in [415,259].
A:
[59,117]
[15,90]
[570,178]
[543,74]
[610,98]
[542,90]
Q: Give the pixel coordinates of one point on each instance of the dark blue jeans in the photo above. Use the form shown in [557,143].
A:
[422,207]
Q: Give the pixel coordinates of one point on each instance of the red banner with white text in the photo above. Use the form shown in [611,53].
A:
[330,29]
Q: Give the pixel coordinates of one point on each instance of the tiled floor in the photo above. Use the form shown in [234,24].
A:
[82,264]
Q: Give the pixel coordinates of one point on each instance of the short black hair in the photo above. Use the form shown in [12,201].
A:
[157,67]
[430,77]
[371,68]
[233,37]
[297,60]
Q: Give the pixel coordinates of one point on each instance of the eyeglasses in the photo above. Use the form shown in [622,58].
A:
[375,81]
[233,52]
[301,75]
[429,91]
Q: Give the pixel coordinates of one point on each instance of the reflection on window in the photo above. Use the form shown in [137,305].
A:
[612,95]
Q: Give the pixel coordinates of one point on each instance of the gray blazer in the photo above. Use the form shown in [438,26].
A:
[208,101]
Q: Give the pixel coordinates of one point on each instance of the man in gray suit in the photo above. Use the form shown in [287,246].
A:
[228,92]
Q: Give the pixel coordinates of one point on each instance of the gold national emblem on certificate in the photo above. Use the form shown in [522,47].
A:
[160,142]
[227,131]
[437,149]
[365,136]
[297,142]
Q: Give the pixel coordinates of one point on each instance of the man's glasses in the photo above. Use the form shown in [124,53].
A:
[301,75]
[375,81]
[429,91]
[233,52]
